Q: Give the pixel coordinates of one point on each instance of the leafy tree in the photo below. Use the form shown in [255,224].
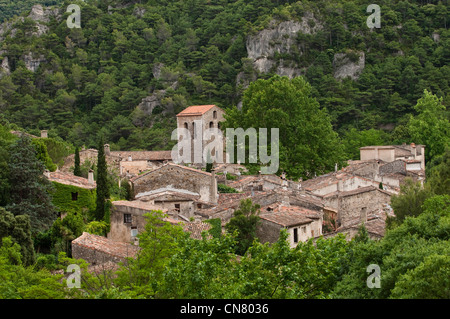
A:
[42,154]
[30,189]
[431,126]
[159,242]
[244,222]
[18,228]
[308,144]
[410,200]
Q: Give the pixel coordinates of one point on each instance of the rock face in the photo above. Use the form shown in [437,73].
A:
[280,38]
[32,63]
[344,67]
[4,67]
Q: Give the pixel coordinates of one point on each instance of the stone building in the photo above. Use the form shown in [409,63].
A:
[128,221]
[72,193]
[98,250]
[179,179]
[196,119]
[390,153]
[301,224]
[124,163]
[356,204]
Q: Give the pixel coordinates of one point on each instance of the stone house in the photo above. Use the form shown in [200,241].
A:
[300,223]
[128,221]
[390,153]
[98,250]
[356,204]
[179,179]
[72,193]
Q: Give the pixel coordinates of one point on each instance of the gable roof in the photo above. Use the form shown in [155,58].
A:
[166,165]
[106,245]
[144,155]
[287,218]
[195,110]
[70,179]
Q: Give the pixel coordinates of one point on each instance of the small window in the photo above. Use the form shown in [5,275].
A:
[177,207]
[74,196]
[211,124]
[186,126]
[134,231]
[199,205]
[303,230]
[214,114]
[127,218]
[295,235]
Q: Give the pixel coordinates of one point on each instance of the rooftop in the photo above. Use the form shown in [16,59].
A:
[195,110]
[108,246]
[70,179]
[287,217]
[166,165]
[144,155]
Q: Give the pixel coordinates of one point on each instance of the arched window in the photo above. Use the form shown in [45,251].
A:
[214,114]
[211,124]
[186,126]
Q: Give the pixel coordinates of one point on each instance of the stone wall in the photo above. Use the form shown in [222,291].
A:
[397,166]
[267,231]
[352,206]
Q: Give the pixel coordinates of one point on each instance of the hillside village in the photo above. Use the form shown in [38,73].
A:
[326,205]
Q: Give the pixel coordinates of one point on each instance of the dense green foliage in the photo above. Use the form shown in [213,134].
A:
[18,228]
[190,52]
[307,143]
[244,222]
[62,198]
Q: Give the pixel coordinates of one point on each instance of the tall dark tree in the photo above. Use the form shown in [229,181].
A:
[77,169]
[30,189]
[102,182]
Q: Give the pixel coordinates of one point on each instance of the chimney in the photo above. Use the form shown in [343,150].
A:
[213,190]
[91,177]
[44,134]
[413,149]
[107,150]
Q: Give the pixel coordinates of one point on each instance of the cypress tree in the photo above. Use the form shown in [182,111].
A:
[77,169]
[102,182]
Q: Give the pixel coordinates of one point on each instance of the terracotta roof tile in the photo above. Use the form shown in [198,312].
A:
[195,110]
[70,179]
[108,246]
[286,218]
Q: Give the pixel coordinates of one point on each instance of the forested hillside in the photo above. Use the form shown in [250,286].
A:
[83,83]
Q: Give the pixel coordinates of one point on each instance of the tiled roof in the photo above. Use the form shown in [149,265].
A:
[108,246]
[144,155]
[195,110]
[169,164]
[137,204]
[70,179]
[196,228]
[286,218]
